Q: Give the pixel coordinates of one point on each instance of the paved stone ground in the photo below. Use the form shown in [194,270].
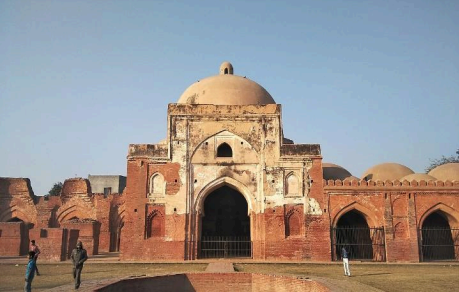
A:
[220,267]
[344,285]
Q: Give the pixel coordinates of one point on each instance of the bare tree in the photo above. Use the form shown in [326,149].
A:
[443,160]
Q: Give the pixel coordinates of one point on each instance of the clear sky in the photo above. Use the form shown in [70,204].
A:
[371,81]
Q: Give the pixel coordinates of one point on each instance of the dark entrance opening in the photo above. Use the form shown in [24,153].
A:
[115,238]
[437,238]
[225,229]
[224,150]
[360,241]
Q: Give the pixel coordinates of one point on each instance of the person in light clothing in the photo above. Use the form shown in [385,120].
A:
[345,256]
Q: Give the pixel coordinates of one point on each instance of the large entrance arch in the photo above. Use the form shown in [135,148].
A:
[361,242]
[438,239]
[225,225]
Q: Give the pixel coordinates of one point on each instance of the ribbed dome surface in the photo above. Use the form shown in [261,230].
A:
[226,89]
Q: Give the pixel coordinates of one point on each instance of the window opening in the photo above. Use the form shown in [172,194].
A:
[107,192]
[224,150]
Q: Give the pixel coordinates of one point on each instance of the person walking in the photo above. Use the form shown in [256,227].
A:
[345,256]
[30,272]
[36,250]
[79,256]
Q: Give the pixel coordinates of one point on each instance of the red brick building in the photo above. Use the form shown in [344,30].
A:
[226,183]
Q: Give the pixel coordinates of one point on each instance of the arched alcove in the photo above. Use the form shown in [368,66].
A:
[157,185]
[293,224]
[292,185]
[154,226]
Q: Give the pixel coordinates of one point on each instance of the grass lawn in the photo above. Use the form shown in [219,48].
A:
[386,277]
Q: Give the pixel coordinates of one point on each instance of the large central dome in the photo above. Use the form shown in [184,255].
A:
[226,89]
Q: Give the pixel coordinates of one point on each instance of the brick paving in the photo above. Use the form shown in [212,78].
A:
[220,267]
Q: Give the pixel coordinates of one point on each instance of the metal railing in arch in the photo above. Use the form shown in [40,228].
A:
[225,247]
[361,243]
[438,244]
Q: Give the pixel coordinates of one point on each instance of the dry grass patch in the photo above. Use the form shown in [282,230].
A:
[386,277]
[54,275]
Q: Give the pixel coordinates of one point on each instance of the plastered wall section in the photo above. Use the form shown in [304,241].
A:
[258,168]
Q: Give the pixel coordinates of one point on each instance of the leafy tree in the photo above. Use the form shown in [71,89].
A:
[56,189]
[443,160]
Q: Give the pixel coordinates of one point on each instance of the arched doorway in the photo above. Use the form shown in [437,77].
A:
[437,238]
[361,241]
[23,233]
[225,225]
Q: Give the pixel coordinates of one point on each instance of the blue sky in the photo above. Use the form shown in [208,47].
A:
[371,81]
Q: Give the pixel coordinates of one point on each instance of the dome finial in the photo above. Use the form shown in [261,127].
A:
[226,68]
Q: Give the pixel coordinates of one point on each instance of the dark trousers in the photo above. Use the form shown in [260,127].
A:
[77,275]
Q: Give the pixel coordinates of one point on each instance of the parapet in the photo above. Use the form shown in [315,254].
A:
[221,110]
[354,183]
[148,150]
[299,149]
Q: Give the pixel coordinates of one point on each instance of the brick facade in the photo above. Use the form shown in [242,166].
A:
[292,210]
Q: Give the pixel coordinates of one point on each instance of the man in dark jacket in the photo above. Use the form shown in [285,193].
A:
[345,256]
[79,256]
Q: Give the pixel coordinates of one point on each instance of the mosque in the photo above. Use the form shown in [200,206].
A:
[226,183]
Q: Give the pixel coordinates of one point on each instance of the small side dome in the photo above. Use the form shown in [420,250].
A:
[418,177]
[387,171]
[333,171]
[449,171]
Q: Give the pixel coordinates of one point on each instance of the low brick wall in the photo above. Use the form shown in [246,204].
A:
[203,282]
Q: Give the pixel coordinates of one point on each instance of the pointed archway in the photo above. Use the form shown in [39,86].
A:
[439,233]
[437,238]
[225,212]
[225,225]
[353,232]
